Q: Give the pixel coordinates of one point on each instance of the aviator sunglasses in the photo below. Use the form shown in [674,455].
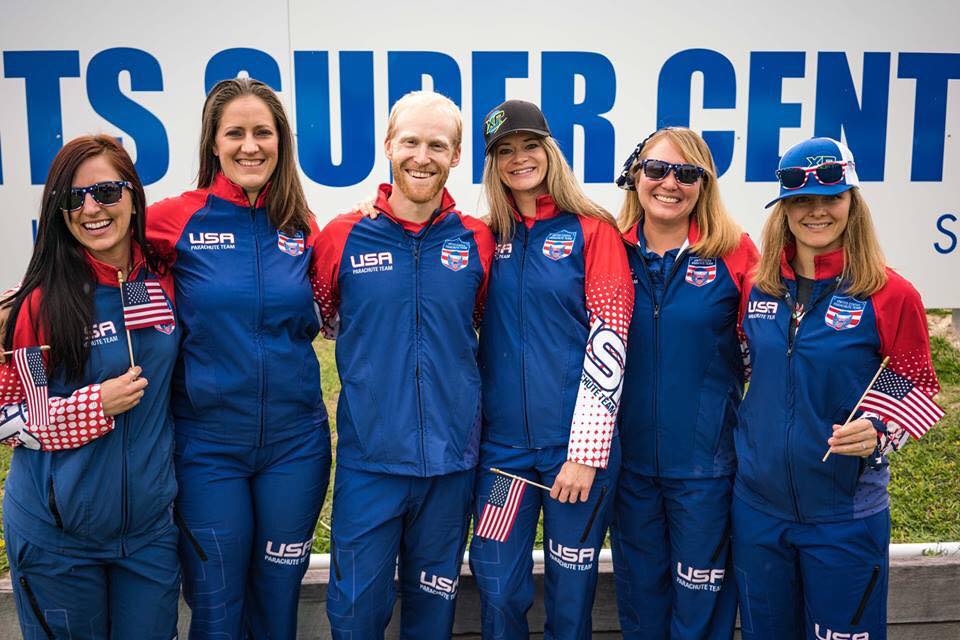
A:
[686,174]
[103,193]
[826,174]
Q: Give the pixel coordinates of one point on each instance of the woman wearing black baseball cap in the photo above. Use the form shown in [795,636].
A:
[552,350]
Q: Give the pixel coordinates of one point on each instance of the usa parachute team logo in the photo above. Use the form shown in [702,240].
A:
[291,245]
[559,245]
[701,271]
[844,313]
[455,254]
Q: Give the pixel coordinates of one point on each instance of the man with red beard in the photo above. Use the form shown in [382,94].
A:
[402,293]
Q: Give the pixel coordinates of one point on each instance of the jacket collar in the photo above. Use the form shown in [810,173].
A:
[106,274]
[226,189]
[825,266]
[546,208]
[632,235]
[382,204]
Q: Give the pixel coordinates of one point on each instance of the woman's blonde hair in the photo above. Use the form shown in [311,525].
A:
[561,185]
[864,267]
[719,234]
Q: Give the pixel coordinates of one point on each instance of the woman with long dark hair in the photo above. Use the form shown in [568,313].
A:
[252,439]
[811,533]
[89,535]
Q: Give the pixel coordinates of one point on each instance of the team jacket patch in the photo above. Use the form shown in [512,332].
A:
[293,245]
[844,312]
[455,254]
[559,245]
[701,271]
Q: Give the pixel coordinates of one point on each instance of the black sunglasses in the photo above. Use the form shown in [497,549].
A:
[104,193]
[826,174]
[686,174]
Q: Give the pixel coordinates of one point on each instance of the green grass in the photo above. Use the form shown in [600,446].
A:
[925,476]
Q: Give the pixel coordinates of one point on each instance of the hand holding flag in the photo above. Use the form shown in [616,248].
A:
[902,392]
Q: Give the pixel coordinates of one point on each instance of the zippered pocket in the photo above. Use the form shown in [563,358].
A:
[593,515]
[185,530]
[35,606]
[52,504]
[866,595]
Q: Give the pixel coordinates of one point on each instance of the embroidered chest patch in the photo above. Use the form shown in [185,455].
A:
[844,312]
[292,245]
[455,254]
[559,245]
[701,271]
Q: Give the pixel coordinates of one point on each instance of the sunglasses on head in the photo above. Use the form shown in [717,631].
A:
[658,170]
[103,193]
[826,174]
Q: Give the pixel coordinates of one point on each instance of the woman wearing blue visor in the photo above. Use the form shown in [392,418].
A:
[821,315]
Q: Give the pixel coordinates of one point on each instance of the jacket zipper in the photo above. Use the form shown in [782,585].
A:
[522,228]
[656,346]
[792,337]
[261,373]
[417,242]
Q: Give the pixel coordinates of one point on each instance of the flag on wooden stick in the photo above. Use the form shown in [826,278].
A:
[501,509]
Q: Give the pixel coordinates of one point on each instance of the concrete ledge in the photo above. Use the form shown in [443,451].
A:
[924,603]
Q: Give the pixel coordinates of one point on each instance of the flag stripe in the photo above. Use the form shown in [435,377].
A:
[891,409]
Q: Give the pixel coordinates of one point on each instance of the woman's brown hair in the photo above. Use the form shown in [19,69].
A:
[285,202]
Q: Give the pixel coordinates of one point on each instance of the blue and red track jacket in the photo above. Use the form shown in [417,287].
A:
[554,337]
[684,377]
[799,388]
[101,487]
[400,299]
[247,372]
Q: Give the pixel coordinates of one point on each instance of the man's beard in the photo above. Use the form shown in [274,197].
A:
[419,191]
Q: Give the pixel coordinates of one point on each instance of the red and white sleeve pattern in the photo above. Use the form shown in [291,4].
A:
[10,393]
[486,245]
[325,269]
[609,300]
[74,420]
[904,337]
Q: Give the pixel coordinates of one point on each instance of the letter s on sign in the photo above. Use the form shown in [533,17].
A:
[952,236]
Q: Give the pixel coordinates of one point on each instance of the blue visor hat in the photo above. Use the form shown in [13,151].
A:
[816,167]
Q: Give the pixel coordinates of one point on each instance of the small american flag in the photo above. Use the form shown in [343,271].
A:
[33,377]
[903,394]
[144,305]
[501,509]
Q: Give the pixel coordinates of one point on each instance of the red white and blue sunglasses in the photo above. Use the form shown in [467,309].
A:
[827,173]
[103,193]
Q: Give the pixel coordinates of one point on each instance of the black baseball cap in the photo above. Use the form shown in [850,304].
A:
[510,117]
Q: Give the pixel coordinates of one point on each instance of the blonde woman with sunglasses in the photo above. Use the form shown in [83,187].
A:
[682,385]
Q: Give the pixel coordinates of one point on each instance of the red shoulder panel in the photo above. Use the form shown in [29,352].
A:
[324,270]
[166,220]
